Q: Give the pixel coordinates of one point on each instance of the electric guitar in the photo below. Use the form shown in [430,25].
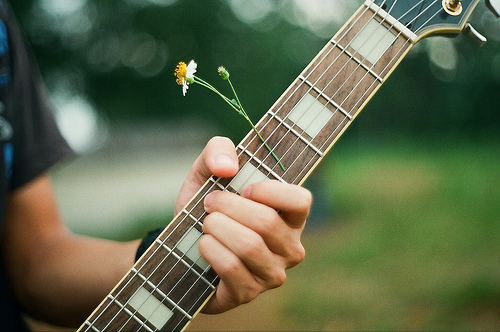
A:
[171,282]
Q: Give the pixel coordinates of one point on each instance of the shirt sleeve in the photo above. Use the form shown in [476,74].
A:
[36,141]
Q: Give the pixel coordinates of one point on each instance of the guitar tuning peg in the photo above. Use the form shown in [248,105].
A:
[494,6]
[473,35]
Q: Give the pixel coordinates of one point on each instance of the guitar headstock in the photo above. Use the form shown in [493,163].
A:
[430,17]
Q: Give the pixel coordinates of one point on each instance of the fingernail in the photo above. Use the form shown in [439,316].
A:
[208,200]
[224,160]
[246,192]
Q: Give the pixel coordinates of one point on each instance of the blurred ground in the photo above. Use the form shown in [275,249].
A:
[136,175]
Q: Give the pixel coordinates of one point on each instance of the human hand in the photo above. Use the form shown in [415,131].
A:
[250,239]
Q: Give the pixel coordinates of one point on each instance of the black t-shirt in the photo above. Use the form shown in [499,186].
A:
[29,139]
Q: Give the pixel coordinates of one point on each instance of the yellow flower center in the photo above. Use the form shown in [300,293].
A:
[180,72]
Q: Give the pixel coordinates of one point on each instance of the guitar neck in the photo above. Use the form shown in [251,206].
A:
[171,282]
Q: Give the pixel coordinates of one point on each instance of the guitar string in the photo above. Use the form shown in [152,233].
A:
[342,122]
[212,186]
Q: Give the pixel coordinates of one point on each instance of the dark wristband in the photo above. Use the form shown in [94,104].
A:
[147,241]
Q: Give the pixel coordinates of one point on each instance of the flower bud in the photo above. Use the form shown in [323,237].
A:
[223,73]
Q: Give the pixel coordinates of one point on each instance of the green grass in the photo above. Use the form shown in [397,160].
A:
[413,242]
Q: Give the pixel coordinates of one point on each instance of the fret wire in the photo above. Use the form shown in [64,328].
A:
[171,251]
[217,183]
[398,55]
[349,54]
[327,53]
[296,133]
[369,69]
[330,100]
[338,56]
[341,50]
[179,259]
[306,166]
[312,70]
[211,286]
[90,325]
[190,215]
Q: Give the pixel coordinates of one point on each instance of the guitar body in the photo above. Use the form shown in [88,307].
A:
[170,283]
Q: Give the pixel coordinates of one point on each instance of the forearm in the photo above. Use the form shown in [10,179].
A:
[67,280]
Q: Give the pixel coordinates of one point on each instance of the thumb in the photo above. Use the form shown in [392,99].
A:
[217,158]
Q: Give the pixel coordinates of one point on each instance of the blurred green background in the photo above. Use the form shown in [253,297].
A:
[404,232]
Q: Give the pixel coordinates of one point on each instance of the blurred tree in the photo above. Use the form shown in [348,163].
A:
[120,54]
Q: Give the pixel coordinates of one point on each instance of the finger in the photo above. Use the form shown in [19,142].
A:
[260,218]
[237,285]
[249,247]
[292,201]
[281,238]
[218,158]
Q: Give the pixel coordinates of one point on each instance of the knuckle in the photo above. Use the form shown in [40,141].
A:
[250,293]
[209,221]
[304,198]
[298,254]
[278,279]
[230,267]
[204,244]
[251,246]
[268,222]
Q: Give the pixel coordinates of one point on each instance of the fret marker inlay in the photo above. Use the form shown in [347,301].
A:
[247,175]
[189,246]
[373,40]
[310,114]
[151,308]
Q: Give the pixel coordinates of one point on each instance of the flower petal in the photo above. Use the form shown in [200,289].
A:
[191,69]
[185,87]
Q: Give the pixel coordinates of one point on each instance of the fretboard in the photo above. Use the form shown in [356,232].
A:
[170,283]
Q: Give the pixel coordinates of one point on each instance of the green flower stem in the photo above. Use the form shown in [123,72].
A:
[263,141]
[239,109]
[236,96]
